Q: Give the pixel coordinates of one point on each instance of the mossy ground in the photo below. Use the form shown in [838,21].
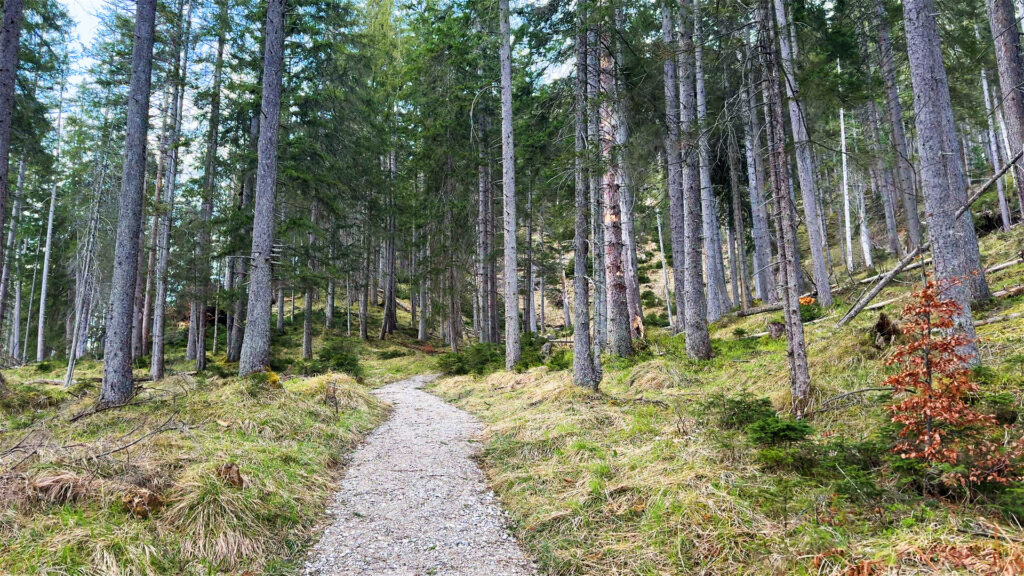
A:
[641,479]
[150,488]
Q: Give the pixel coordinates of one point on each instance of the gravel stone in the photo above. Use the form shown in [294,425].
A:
[413,501]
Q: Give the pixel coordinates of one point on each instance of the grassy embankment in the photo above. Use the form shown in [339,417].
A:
[660,475]
[201,474]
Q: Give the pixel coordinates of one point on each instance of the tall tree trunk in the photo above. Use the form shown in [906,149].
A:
[256,341]
[673,161]
[508,174]
[10,33]
[717,296]
[118,386]
[698,341]
[619,333]
[279,300]
[905,179]
[804,160]
[993,152]
[847,218]
[12,234]
[482,226]
[883,179]
[31,300]
[156,365]
[664,274]
[210,186]
[740,274]
[764,279]
[48,251]
[627,197]
[598,271]
[800,384]
[1006,36]
[862,222]
[941,175]
[586,367]
[530,307]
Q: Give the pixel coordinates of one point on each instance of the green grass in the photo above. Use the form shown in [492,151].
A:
[63,488]
[645,479]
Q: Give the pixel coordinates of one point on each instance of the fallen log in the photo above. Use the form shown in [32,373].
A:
[1004,265]
[913,266]
[884,281]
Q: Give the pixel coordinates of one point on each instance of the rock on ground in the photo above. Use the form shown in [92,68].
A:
[413,501]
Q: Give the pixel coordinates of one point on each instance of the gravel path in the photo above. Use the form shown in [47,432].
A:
[414,503]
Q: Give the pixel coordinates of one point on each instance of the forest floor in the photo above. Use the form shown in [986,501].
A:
[415,502]
[655,476]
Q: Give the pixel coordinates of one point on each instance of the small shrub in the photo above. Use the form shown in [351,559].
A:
[739,332]
[44,366]
[480,359]
[391,354]
[650,300]
[561,359]
[774,431]
[737,412]
[258,383]
[659,320]
[336,356]
[809,312]
[643,278]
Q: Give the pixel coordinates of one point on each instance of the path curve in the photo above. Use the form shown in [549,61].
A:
[413,502]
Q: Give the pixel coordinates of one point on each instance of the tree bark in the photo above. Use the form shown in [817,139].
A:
[626,193]
[717,297]
[992,150]
[255,352]
[905,179]
[210,186]
[620,341]
[941,174]
[673,161]
[800,384]
[804,160]
[1006,36]
[48,252]
[600,340]
[163,240]
[764,280]
[586,367]
[118,386]
[508,176]
[10,33]
[698,341]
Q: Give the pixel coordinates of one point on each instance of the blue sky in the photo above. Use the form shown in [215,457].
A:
[84,13]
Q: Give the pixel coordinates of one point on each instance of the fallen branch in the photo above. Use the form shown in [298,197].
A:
[1004,265]
[1009,292]
[758,310]
[997,319]
[884,281]
[825,406]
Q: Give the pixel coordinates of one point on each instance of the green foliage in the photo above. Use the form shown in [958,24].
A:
[773,431]
[809,312]
[335,355]
[560,359]
[738,411]
[480,359]
[650,300]
[391,354]
[659,320]
[44,366]
[531,351]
